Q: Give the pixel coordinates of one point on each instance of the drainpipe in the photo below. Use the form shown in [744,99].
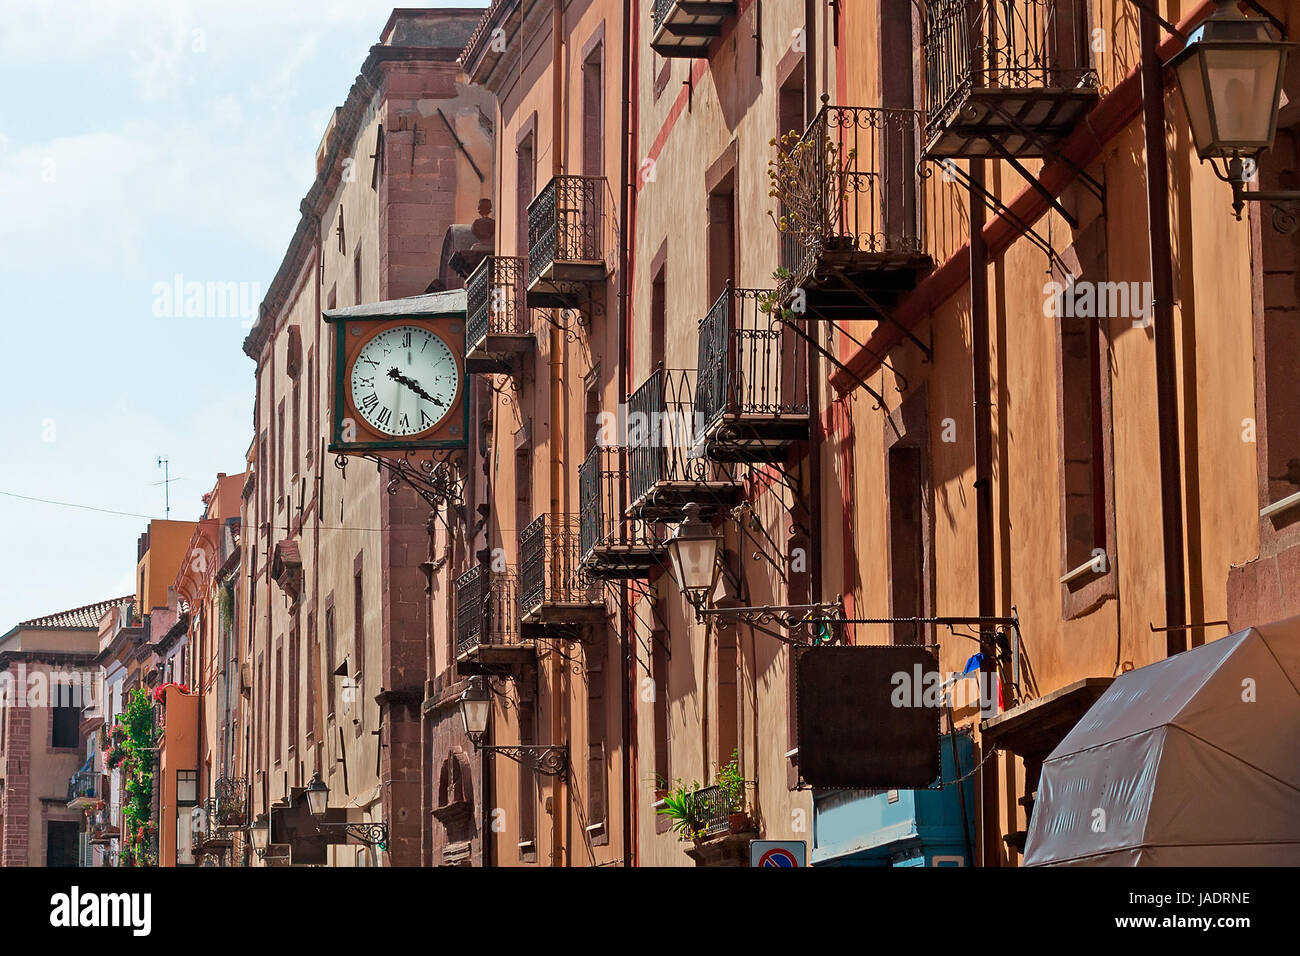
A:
[559,808]
[627,198]
[982,409]
[815,377]
[1162,283]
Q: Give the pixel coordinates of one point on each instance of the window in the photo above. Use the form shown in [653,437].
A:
[358,645]
[279,701]
[313,677]
[596,732]
[591,421]
[187,788]
[527,785]
[65,719]
[658,318]
[728,695]
[593,125]
[906,541]
[293,677]
[659,661]
[313,389]
[356,274]
[523,488]
[910,516]
[297,439]
[377,167]
[1278,400]
[1083,410]
[525,186]
[790,103]
[330,666]
[61,843]
[722,237]
[280,450]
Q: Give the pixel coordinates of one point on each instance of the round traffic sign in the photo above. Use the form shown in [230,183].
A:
[778,856]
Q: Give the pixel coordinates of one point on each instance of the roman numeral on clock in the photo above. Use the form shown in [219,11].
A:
[370,402]
[425,420]
[384,415]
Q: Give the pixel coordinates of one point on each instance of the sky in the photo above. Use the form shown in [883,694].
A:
[143,143]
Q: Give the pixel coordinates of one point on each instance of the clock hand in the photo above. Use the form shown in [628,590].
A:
[413,385]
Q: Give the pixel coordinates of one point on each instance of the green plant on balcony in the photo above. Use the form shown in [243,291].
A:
[732,782]
[802,209]
[138,740]
[683,808]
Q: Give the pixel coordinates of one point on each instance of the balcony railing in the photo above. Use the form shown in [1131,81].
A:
[1004,68]
[566,235]
[667,464]
[498,325]
[611,544]
[687,27]
[552,585]
[752,392]
[230,802]
[487,612]
[84,788]
[713,807]
[848,194]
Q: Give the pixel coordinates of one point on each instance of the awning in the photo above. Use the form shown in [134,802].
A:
[1192,761]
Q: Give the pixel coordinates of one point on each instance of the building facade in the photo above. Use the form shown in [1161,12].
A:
[334,603]
[46,680]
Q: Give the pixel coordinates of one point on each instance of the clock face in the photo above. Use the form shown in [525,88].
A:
[404,381]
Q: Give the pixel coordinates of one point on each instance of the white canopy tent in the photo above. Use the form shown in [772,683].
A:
[1191,761]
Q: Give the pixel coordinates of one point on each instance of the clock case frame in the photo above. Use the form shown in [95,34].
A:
[447,325]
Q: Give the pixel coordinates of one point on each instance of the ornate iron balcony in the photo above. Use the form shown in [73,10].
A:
[498,322]
[487,615]
[752,388]
[1005,77]
[553,589]
[714,807]
[667,465]
[230,803]
[612,545]
[85,788]
[685,28]
[566,239]
[850,204]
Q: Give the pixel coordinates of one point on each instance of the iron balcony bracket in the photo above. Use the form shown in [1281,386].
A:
[902,385]
[884,313]
[370,834]
[1032,180]
[876,396]
[438,479]
[1050,153]
[998,207]
[791,617]
[547,759]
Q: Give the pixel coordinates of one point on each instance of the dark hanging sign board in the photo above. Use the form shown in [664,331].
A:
[869,716]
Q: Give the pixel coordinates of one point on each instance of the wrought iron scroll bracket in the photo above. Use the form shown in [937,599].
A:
[547,759]
[792,619]
[439,479]
[371,834]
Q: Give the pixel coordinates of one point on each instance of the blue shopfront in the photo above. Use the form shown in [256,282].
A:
[934,827]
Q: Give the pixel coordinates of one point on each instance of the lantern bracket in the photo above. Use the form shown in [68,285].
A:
[550,760]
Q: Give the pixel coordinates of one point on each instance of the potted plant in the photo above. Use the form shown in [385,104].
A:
[682,807]
[732,782]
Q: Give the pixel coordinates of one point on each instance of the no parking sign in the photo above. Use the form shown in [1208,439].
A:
[778,853]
